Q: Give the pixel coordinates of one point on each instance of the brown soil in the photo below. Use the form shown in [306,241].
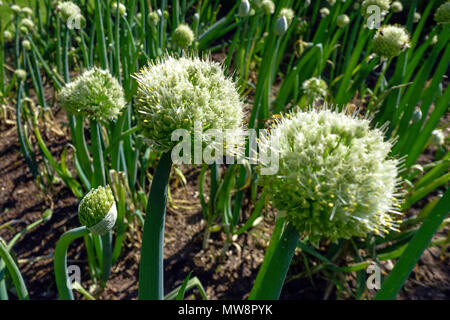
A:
[223,278]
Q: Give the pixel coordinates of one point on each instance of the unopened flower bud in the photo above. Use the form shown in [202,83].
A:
[97,211]
[281,26]
[417,115]
[244,8]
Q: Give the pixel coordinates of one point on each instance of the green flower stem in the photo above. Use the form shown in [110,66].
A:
[276,264]
[14,271]
[11,243]
[151,269]
[99,179]
[421,240]
[60,260]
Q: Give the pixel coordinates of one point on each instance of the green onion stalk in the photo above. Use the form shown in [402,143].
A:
[14,271]
[165,103]
[97,213]
[97,95]
[347,188]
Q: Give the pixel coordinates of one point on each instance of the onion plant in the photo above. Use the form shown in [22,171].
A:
[277,56]
[171,96]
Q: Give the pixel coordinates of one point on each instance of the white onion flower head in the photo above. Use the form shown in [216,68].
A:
[97,211]
[331,2]
[315,88]
[324,12]
[95,94]
[384,6]
[288,13]
[390,41]
[335,177]
[15,9]
[183,36]
[26,45]
[27,23]
[397,7]
[68,10]
[342,20]
[268,7]
[417,17]
[26,11]
[20,74]
[153,18]
[442,15]
[122,9]
[176,93]
[437,137]
[7,35]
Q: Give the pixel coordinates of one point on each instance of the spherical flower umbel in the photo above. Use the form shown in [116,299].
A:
[183,36]
[324,12]
[268,7]
[315,88]
[437,137]
[7,35]
[383,5]
[122,9]
[442,15]
[26,11]
[390,41]
[288,13]
[20,74]
[16,9]
[95,94]
[342,21]
[335,178]
[177,93]
[397,7]
[97,211]
[68,10]
[153,18]
[26,45]
[27,23]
